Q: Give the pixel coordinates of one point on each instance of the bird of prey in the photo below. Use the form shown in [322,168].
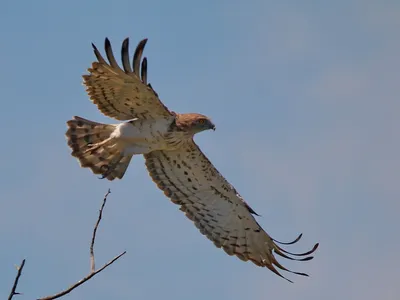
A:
[174,161]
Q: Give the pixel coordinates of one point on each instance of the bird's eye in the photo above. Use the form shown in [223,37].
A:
[202,121]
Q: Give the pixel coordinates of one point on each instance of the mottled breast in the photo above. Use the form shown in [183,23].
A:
[175,137]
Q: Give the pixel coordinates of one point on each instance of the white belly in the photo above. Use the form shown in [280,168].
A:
[141,136]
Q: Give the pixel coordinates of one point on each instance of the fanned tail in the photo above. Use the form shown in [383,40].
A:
[92,145]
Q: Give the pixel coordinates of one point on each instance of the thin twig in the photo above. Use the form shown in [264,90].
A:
[92,263]
[93,271]
[13,290]
[82,281]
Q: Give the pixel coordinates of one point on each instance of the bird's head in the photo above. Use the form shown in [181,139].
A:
[194,123]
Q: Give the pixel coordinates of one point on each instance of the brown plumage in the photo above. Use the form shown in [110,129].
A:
[188,122]
[174,161]
[84,137]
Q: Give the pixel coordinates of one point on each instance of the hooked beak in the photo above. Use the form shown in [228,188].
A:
[213,127]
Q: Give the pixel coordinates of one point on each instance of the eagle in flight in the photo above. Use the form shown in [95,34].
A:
[174,161]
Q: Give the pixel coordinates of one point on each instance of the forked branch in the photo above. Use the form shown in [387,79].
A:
[93,270]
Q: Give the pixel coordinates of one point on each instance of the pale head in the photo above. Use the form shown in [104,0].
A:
[194,123]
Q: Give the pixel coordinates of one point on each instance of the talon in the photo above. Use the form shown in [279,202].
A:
[106,172]
[108,169]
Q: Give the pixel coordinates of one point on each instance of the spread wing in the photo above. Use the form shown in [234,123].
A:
[123,94]
[189,179]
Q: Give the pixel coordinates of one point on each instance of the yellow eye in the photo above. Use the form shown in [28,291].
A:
[202,121]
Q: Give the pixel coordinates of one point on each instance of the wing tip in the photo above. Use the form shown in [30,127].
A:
[289,243]
[125,43]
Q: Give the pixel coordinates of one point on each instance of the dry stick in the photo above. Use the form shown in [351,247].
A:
[13,292]
[92,265]
[93,272]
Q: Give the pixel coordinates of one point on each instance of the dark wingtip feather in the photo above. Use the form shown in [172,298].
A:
[306,258]
[125,56]
[155,93]
[312,250]
[143,71]
[276,263]
[301,274]
[125,43]
[107,43]
[144,41]
[110,55]
[250,209]
[280,253]
[98,55]
[289,243]
[138,55]
[273,269]
[299,254]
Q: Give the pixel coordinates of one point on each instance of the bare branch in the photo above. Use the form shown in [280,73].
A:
[82,281]
[93,271]
[14,288]
[92,264]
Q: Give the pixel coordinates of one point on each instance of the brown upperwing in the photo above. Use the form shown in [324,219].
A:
[123,94]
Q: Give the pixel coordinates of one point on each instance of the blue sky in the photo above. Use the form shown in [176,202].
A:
[306,102]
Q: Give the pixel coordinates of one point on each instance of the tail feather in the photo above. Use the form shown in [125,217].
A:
[92,146]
